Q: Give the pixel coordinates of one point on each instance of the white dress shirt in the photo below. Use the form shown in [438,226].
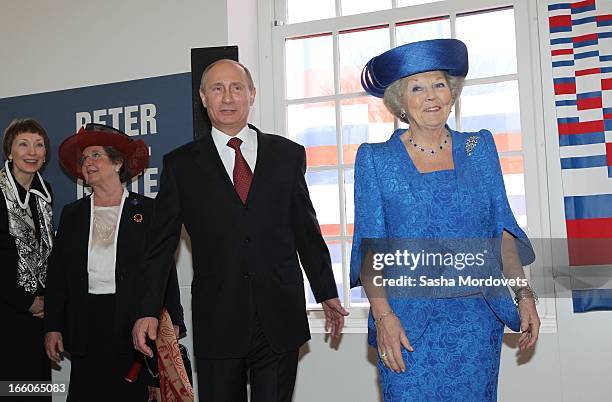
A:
[228,155]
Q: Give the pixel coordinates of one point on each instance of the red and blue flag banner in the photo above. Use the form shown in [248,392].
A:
[581,53]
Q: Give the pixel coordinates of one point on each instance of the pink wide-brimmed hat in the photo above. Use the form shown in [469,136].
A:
[71,149]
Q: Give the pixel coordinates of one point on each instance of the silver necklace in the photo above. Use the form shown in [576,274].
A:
[433,151]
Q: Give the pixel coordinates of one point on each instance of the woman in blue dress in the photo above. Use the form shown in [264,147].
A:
[430,190]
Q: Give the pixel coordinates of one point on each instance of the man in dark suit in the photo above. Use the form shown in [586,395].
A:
[243,199]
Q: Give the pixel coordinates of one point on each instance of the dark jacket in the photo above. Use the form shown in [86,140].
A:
[67,283]
[245,257]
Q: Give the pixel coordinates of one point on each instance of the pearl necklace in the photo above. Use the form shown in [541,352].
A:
[431,152]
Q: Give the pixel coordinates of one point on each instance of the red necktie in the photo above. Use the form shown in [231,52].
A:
[242,172]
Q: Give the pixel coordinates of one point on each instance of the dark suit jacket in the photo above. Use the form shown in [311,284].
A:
[67,283]
[245,257]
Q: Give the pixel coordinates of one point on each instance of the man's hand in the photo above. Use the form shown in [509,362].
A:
[145,327]
[334,316]
[54,346]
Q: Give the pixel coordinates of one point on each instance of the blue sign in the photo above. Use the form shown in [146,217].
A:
[157,110]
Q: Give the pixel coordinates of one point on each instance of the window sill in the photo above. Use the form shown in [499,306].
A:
[357,322]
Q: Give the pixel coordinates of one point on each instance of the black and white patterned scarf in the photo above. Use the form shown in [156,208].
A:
[32,252]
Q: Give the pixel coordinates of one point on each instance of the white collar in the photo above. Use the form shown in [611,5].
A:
[246,135]
[123,197]
[46,196]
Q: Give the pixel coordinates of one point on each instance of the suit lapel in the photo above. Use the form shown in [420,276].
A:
[81,236]
[263,167]
[125,233]
[207,158]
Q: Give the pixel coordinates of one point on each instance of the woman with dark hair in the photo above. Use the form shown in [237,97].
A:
[94,277]
[433,191]
[26,238]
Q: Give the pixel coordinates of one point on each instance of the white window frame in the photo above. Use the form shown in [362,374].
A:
[272,32]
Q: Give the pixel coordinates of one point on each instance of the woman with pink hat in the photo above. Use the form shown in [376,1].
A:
[93,279]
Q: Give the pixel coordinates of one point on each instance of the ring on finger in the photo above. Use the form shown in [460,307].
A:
[383,355]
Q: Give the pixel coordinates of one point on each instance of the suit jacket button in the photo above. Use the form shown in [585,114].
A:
[247,240]
[246,276]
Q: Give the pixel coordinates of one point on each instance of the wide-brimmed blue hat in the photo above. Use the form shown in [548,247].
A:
[448,55]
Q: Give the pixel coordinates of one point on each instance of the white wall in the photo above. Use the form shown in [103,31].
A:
[242,31]
[60,44]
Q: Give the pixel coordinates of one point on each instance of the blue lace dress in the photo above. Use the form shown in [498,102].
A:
[456,338]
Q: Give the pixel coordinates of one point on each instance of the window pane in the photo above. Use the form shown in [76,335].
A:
[506,142]
[511,165]
[404,3]
[314,126]
[413,31]
[491,42]
[356,49]
[350,7]
[299,10]
[358,297]
[514,180]
[309,66]
[335,251]
[494,107]
[364,119]
[324,193]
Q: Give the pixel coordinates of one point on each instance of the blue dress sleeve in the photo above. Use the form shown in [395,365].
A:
[504,218]
[369,209]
